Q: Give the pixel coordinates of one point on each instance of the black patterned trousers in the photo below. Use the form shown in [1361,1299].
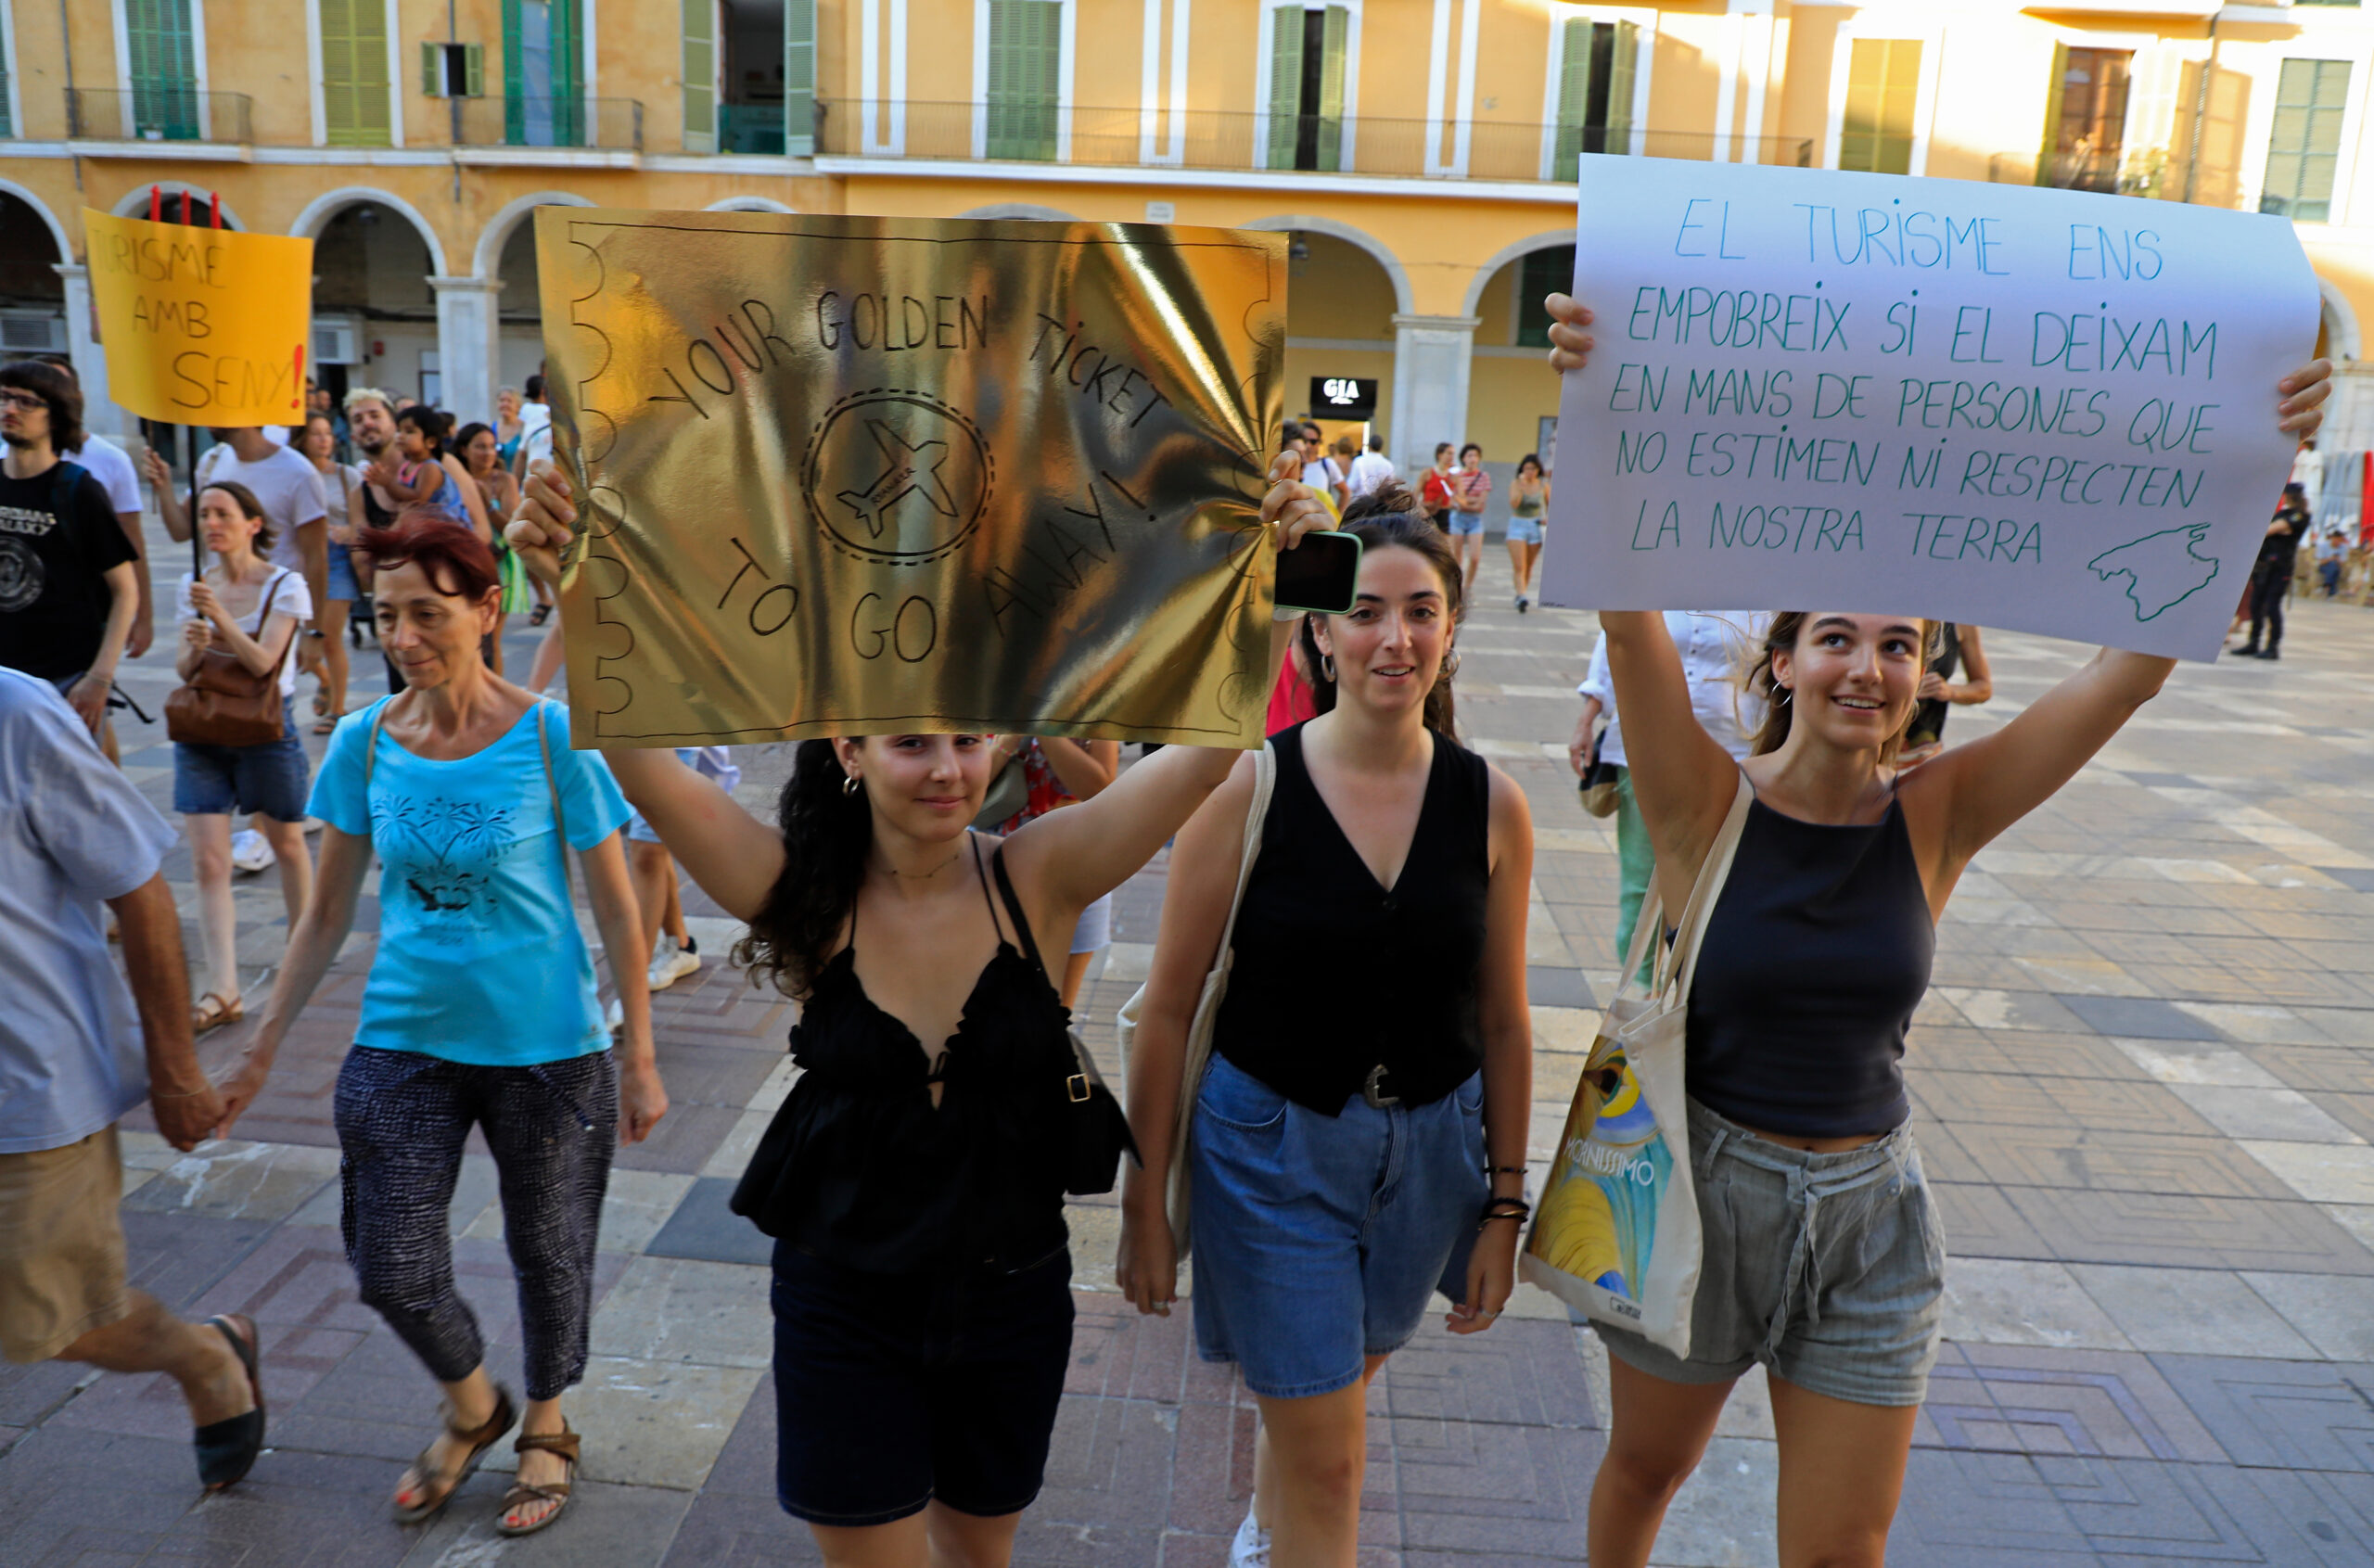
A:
[402,1119]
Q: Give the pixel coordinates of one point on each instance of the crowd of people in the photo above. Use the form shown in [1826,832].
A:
[1330,1077]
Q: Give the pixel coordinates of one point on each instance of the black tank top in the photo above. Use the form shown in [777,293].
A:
[1816,956]
[862,1169]
[1335,976]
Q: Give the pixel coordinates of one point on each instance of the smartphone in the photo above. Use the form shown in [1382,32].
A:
[1321,574]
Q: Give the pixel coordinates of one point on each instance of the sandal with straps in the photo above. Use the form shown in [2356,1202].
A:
[479,1438]
[563,1442]
[212,1013]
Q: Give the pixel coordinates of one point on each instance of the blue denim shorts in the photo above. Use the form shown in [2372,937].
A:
[342,582]
[1524,531]
[1464,522]
[270,779]
[1829,1268]
[1318,1239]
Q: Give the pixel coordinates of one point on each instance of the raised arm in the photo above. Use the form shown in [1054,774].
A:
[1682,777]
[1078,855]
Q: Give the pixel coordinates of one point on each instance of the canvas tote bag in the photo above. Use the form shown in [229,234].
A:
[1207,1005]
[1616,1233]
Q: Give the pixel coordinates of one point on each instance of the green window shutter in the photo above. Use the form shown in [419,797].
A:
[1883,83]
[700,75]
[8,128]
[800,77]
[514,114]
[432,71]
[1336,24]
[2053,106]
[2304,143]
[164,69]
[1026,77]
[354,74]
[1541,273]
[1285,86]
[1574,98]
[474,70]
[568,74]
[1623,69]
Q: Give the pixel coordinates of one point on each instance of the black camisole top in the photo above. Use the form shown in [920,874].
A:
[867,1172]
[1811,966]
[1335,976]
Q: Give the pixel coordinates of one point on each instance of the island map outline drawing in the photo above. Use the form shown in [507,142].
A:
[848,475]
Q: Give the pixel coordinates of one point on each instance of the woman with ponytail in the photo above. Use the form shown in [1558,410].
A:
[1359,1138]
[913,1180]
[1823,1256]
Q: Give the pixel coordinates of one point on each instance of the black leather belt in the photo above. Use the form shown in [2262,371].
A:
[1373,1090]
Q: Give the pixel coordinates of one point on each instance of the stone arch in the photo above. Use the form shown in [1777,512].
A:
[751,204]
[2342,336]
[1404,301]
[1020,209]
[134,203]
[487,261]
[321,209]
[1501,258]
[49,219]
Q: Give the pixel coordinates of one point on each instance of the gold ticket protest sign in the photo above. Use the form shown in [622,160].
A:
[863,476]
[201,326]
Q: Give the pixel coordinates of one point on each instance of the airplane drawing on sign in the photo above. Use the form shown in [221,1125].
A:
[906,469]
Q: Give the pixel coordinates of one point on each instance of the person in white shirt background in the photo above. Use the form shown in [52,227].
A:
[1369,469]
[1715,647]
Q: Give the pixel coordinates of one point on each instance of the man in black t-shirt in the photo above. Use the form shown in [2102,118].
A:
[2271,574]
[68,588]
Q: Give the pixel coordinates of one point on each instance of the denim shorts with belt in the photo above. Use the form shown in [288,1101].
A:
[1318,1239]
[1827,1268]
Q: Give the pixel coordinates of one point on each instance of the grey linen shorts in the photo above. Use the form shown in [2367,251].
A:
[1829,1268]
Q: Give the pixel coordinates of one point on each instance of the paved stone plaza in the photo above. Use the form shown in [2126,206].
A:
[2145,1092]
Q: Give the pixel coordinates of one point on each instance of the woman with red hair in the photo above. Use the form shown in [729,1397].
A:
[481,1010]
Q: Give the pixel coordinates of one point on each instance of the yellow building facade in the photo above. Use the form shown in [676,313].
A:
[1421,152]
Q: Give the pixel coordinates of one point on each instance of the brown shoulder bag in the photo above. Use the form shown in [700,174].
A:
[225,703]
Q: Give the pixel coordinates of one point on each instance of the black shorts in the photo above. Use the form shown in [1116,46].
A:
[894,1390]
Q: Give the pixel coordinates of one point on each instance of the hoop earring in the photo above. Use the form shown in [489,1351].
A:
[1780,694]
[849,783]
[1327,667]
[1451,664]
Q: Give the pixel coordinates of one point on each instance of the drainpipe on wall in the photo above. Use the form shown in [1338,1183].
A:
[2199,114]
[453,104]
[66,37]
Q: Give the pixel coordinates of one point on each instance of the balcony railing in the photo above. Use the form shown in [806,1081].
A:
[2131,171]
[164,112]
[614,124]
[1237,139]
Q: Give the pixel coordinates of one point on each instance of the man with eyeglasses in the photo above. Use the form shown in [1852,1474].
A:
[68,584]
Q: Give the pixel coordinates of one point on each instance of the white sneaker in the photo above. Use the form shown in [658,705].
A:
[614,1018]
[671,963]
[1251,1547]
[250,850]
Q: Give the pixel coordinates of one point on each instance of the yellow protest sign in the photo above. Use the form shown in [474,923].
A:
[201,326]
[857,475]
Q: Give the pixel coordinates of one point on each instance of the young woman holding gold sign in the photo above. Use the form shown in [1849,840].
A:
[923,1309]
[1822,1257]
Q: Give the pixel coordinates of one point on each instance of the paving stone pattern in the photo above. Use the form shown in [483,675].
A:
[2144,1088]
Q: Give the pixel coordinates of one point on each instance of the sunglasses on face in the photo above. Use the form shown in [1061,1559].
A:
[11,397]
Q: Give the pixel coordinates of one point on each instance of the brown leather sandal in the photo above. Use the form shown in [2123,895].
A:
[440,1487]
[212,1012]
[563,1442]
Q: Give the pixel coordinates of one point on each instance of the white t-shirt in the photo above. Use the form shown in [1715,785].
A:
[107,463]
[290,488]
[290,598]
[1321,474]
[1370,470]
[1716,649]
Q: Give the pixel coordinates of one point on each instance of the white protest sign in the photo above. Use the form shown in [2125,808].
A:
[2035,409]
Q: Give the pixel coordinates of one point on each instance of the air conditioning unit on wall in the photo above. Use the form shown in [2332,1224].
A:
[31,332]
[337,342]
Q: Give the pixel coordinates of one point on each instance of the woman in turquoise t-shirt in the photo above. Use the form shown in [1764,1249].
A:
[481,1010]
